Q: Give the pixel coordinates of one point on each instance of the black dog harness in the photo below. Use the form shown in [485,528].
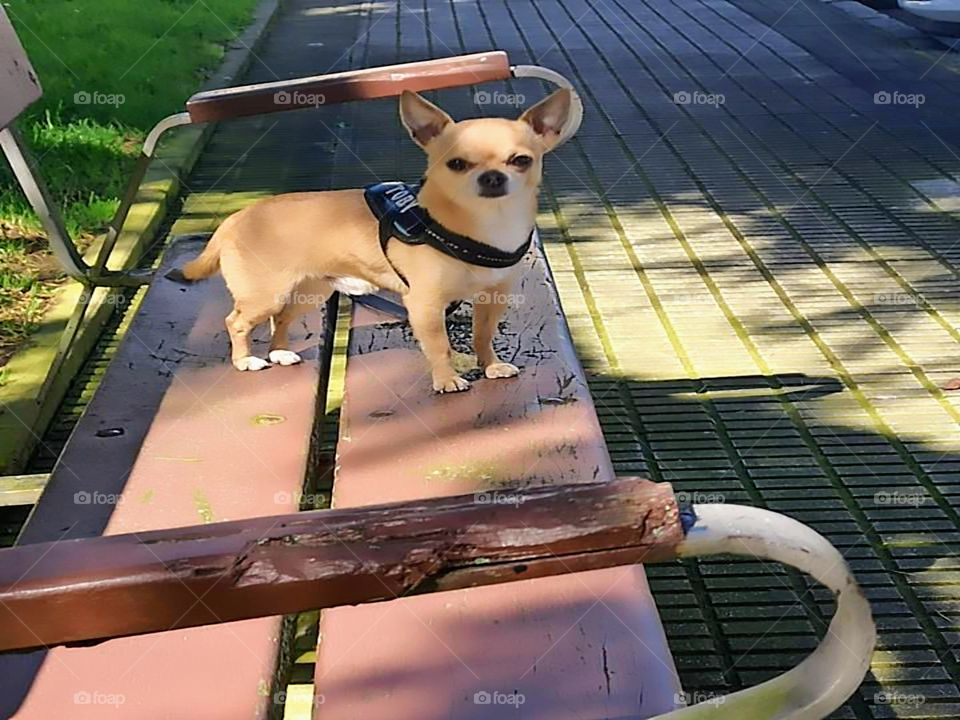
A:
[395,205]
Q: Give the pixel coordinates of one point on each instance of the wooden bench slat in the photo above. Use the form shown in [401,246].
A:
[192,429]
[587,645]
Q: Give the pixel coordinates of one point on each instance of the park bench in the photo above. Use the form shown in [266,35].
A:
[156,568]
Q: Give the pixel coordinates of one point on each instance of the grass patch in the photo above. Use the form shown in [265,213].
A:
[27,278]
[110,69]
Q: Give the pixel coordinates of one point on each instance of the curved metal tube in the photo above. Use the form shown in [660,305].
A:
[542,73]
[100,275]
[170,121]
[824,680]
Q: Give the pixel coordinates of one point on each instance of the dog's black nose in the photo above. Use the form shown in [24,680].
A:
[492,182]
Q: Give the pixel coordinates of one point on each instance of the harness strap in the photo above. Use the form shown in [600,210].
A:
[402,217]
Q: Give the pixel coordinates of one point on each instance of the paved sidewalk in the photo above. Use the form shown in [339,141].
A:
[755,235]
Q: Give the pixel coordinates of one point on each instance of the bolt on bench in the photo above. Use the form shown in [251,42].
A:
[116,589]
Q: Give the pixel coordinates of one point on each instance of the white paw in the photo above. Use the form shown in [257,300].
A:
[250,362]
[353,286]
[284,357]
[501,370]
[451,384]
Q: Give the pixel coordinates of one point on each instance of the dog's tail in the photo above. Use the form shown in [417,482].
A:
[206,263]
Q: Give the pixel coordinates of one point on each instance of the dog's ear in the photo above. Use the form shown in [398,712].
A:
[422,119]
[548,117]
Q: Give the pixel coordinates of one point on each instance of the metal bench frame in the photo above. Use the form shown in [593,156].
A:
[813,689]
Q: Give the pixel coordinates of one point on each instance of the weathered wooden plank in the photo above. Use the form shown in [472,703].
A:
[166,442]
[79,590]
[583,645]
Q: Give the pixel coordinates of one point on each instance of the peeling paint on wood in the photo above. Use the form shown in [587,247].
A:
[150,581]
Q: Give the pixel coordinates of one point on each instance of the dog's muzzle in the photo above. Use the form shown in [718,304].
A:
[492,184]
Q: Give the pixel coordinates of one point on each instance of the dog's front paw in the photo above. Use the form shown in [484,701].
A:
[450,384]
[284,357]
[250,362]
[501,370]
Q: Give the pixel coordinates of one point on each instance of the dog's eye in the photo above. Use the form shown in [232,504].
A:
[457,164]
[521,161]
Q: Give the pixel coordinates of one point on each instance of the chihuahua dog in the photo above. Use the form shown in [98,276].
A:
[476,208]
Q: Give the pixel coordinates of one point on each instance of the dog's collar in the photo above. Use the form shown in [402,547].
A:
[401,216]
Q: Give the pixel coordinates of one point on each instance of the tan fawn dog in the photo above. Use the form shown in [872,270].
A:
[474,217]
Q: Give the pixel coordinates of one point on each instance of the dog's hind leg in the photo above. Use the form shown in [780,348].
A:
[308,295]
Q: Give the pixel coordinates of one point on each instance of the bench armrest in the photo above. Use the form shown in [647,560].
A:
[19,86]
[824,680]
[341,87]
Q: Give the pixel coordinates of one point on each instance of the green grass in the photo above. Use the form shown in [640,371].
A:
[25,288]
[109,70]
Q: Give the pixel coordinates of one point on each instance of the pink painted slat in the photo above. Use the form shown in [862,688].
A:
[201,442]
[587,645]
